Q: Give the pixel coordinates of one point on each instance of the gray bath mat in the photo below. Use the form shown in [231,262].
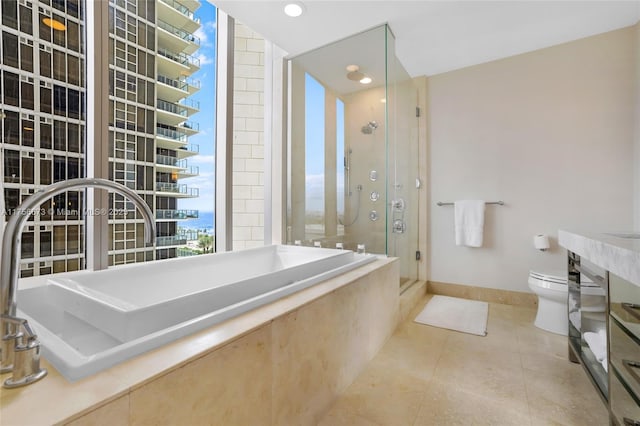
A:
[467,316]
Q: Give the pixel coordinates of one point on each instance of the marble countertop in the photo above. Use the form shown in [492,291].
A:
[614,252]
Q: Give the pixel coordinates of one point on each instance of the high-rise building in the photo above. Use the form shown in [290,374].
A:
[43,90]
[151,47]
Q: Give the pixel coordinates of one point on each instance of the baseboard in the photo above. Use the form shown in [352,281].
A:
[493,295]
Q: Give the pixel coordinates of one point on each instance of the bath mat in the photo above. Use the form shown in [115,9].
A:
[467,316]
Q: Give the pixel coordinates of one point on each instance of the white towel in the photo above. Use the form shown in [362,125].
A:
[597,343]
[469,222]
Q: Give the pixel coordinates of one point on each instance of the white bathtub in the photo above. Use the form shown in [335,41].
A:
[88,321]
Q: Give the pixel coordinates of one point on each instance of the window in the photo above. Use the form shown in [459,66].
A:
[45,172]
[45,63]
[27,95]
[11,88]
[59,37]
[45,100]
[314,157]
[26,24]
[11,128]
[342,162]
[46,136]
[27,133]
[59,100]
[10,49]
[59,66]
[27,170]
[44,29]
[59,168]
[10,13]
[73,36]
[12,166]
[26,57]
[73,68]
[59,136]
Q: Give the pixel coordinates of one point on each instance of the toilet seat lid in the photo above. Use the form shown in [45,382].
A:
[560,277]
[556,277]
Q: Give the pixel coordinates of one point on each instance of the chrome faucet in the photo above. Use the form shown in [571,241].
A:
[20,348]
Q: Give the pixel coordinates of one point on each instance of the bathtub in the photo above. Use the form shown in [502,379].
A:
[88,321]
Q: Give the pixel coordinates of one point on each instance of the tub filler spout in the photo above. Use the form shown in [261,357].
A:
[20,348]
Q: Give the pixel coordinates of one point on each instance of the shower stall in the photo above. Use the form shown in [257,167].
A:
[353,150]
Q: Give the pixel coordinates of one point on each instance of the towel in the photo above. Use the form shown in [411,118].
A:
[598,344]
[469,222]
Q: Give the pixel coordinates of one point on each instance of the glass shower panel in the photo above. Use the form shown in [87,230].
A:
[403,155]
[337,139]
[353,149]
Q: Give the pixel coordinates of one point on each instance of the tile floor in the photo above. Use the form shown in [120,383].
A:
[516,375]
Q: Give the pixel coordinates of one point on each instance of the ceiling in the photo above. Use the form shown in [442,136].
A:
[437,36]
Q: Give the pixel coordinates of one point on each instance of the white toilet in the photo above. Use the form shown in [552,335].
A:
[552,291]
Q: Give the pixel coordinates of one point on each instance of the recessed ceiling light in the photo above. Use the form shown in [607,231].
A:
[366,80]
[56,25]
[294,9]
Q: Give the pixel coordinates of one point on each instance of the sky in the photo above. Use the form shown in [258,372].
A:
[205,181]
[314,147]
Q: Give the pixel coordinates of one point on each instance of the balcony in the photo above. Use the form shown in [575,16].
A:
[172,108]
[171,134]
[172,240]
[176,89]
[190,103]
[171,114]
[176,190]
[188,151]
[176,39]
[176,214]
[188,171]
[170,62]
[189,127]
[178,7]
[165,163]
[179,14]
[166,160]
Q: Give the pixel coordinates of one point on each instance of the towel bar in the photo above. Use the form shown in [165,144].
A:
[440,203]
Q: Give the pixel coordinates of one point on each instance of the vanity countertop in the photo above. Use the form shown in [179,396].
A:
[614,252]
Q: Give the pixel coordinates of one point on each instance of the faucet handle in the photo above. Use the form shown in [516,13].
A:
[26,355]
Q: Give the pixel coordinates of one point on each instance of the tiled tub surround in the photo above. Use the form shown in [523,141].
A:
[283,363]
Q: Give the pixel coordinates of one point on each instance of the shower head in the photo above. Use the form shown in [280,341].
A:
[368,128]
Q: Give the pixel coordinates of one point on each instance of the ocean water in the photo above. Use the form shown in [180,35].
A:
[204,223]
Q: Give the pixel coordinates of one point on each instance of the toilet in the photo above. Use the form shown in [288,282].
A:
[552,291]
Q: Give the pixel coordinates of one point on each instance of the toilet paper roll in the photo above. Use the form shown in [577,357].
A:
[541,242]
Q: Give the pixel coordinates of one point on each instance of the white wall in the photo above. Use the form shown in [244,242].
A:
[551,133]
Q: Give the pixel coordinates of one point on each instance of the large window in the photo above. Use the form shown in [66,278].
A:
[154,143]
[314,157]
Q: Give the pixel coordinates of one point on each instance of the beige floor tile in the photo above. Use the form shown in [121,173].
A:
[409,356]
[531,339]
[444,404]
[559,391]
[517,374]
[384,397]
[341,415]
[492,373]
